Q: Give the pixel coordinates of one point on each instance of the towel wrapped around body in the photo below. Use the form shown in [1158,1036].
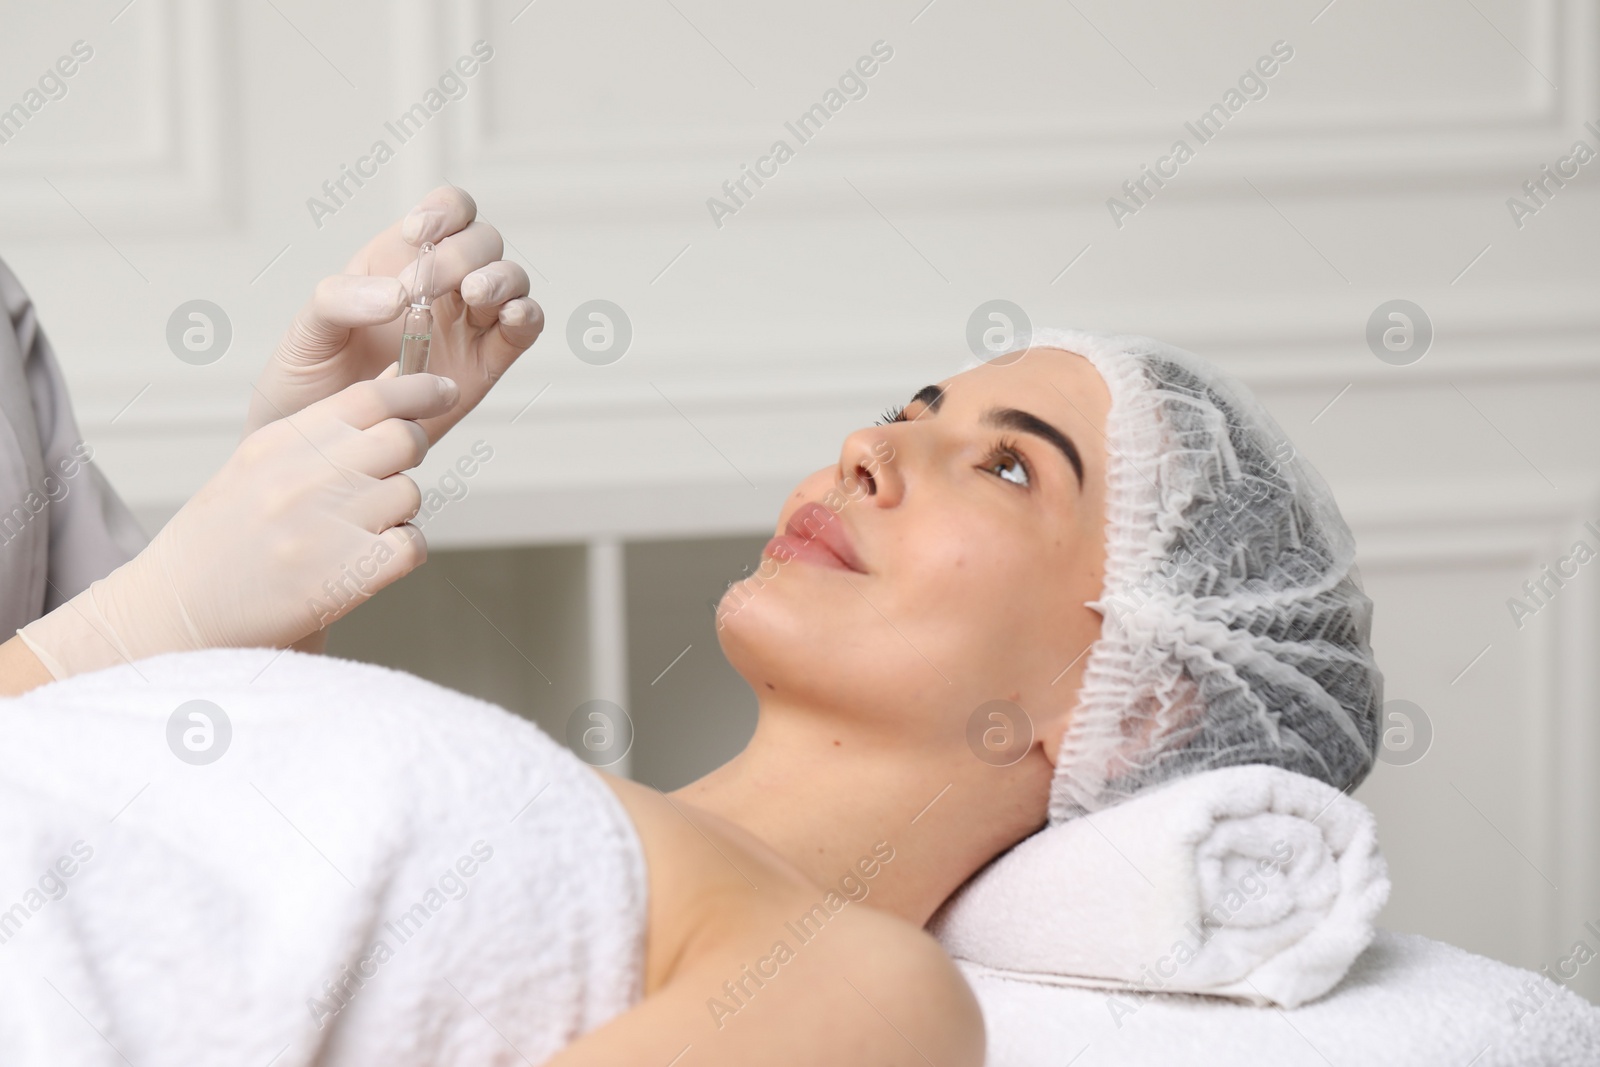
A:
[375,869]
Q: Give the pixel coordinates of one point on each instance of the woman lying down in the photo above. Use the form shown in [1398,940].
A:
[1100,532]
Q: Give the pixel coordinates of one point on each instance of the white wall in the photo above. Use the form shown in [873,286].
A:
[978,166]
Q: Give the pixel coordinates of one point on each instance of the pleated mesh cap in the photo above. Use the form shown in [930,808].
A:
[1235,629]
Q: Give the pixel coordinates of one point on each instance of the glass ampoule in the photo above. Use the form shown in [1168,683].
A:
[417,335]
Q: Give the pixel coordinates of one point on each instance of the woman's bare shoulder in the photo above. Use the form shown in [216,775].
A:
[709,880]
[920,1008]
[758,965]
[865,988]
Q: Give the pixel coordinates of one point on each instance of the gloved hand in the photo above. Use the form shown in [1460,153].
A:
[350,329]
[307,519]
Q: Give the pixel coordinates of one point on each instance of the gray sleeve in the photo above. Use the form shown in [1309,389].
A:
[61,524]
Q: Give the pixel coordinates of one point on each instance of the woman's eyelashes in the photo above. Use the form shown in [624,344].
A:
[1007,464]
[1003,460]
[898,414]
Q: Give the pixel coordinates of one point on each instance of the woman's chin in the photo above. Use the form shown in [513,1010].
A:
[772,638]
[754,627]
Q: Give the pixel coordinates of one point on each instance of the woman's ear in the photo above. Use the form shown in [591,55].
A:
[1051,731]
[1166,720]
[1156,721]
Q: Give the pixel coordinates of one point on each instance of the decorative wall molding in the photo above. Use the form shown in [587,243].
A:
[1492,528]
[1047,158]
[868,372]
[180,176]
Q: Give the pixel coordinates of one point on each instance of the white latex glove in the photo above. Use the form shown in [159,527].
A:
[349,330]
[307,519]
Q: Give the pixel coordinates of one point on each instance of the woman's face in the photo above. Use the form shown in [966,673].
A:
[942,563]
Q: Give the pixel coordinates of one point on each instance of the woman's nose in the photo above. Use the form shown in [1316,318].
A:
[869,468]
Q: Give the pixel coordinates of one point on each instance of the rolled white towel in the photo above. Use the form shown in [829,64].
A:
[1249,882]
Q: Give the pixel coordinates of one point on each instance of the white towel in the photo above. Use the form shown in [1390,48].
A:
[153,911]
[1407,1000]
[1248,882]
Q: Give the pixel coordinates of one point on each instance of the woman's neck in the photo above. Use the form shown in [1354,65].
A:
[824,799]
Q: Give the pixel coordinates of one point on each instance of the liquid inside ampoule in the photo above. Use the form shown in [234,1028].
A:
[414,351]
[416,335]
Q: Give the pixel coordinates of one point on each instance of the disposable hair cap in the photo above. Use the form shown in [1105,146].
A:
[1235,629]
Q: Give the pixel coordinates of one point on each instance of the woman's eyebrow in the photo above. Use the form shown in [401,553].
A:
[931,395]
[1022,422]
[1010,419]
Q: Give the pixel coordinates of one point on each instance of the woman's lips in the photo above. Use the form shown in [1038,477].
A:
[815,534]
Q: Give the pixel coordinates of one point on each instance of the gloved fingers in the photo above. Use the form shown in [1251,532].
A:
[365,404]
[519,325]
[339,303]
[442,212]
[408,550]
[458,255]
[389,447]
[386,503]
[486,289]
[388,557]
